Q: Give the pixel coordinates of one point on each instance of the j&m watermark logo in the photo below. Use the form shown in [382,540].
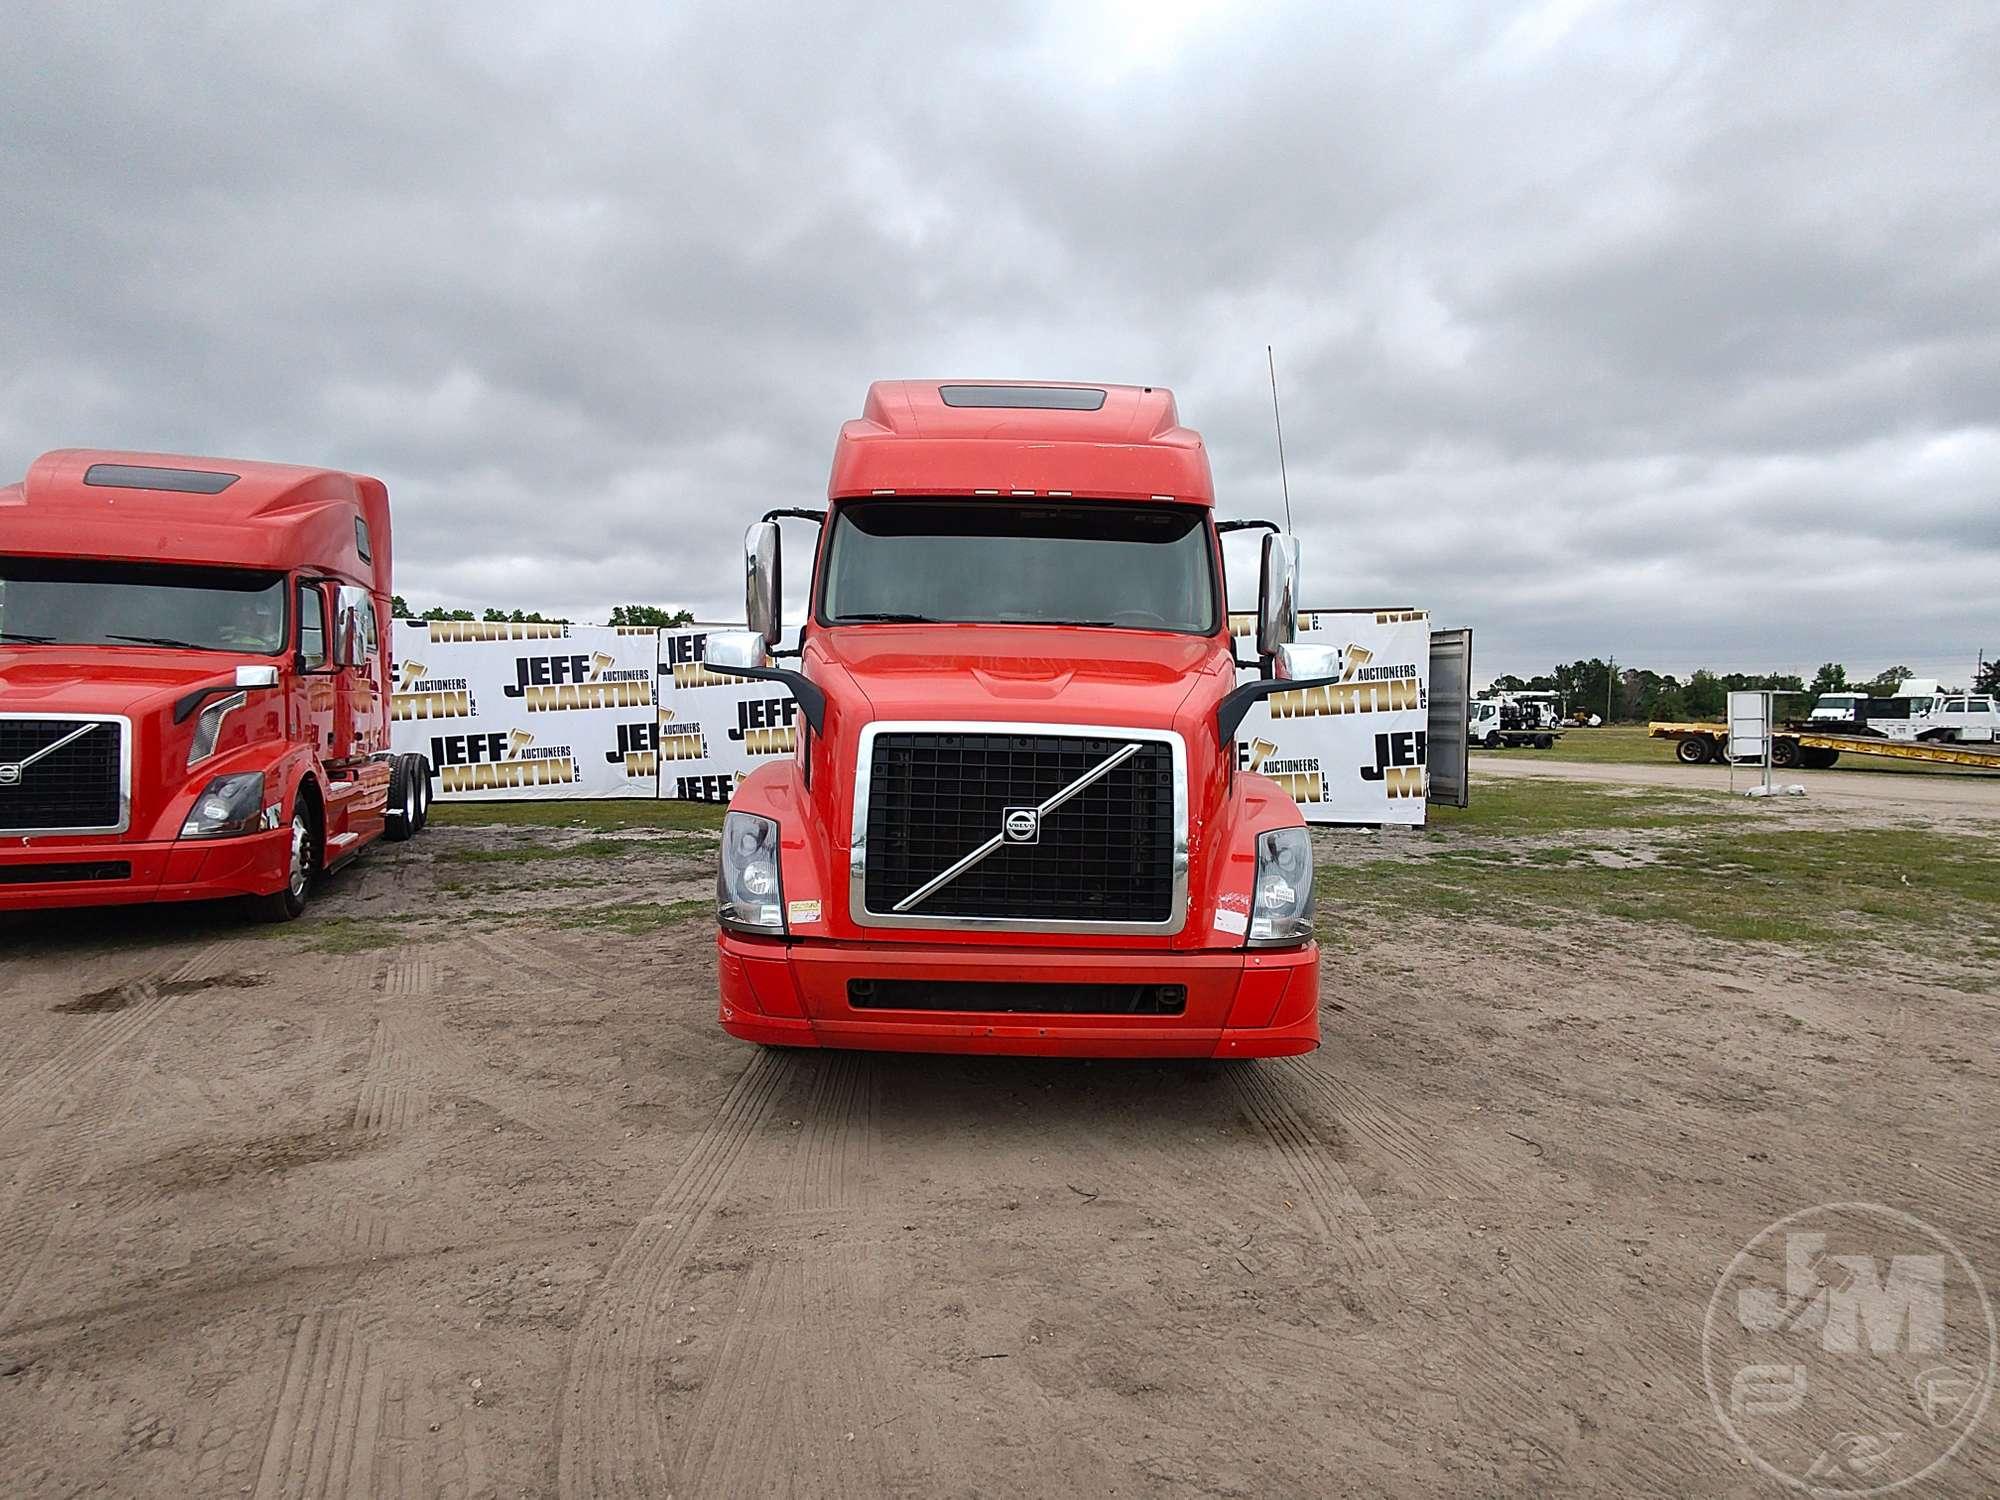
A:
[1849,1350]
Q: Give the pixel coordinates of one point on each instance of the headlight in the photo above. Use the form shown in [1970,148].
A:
[749,893]
[228,806]
[1281,903]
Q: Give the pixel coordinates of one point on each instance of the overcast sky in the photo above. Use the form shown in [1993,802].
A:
[1669,331]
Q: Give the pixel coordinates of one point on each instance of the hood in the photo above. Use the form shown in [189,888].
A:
[105,679]
[1032,673]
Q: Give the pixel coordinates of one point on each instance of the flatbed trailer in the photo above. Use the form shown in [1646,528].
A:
[1697,744]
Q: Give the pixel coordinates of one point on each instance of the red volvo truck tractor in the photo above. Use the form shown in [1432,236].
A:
[1015,821]
[194,681]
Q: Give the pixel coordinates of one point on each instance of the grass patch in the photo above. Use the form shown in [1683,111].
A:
[1611,744]
[523,853]
[607,814]
[350,934]
[637,917]
[1630,744]
[1794,886]
[1515,806]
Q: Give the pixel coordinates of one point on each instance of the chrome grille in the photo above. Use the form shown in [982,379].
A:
[1109,853]
[63,774]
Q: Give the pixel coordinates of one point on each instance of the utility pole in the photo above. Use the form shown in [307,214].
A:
[1610,676]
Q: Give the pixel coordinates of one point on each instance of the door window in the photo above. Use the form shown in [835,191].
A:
[312,628]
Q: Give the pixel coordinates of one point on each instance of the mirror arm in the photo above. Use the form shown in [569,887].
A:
[1222,526]
[812,702]
[818,516]
[1236,703]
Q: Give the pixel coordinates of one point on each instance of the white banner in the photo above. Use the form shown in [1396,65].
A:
[716,729]
[522,712]
[1352,752]
[553,711]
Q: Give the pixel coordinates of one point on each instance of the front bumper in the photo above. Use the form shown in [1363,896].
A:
[48,872]
[1240,1003]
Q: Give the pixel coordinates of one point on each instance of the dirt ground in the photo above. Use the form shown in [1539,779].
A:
[487,1204]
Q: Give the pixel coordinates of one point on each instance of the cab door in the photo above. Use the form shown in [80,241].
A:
[359,681]
[1445,747]
[314,692]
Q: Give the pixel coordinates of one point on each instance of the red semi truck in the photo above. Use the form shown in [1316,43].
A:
[194,681]
[1015,820]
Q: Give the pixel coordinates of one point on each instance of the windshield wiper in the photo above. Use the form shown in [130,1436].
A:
[887,617]
[22,635]
[159,640]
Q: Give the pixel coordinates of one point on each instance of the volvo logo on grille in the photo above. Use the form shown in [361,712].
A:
[1022,825]
[10,775]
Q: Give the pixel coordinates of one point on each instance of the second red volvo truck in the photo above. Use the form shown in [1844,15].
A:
[194,681]
[1015,821]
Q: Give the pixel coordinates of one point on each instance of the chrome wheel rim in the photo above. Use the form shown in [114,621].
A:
[301,841]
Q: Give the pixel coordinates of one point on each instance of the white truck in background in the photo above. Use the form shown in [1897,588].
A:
[1512,720]
[1950,719]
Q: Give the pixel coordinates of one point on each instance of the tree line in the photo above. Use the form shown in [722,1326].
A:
[650,616]
[1637,693]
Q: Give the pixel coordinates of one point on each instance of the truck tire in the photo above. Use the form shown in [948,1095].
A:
[1493,740]
[289,899]
[400,817]
[1787,753]
[422,770]
[1691,750]
[1544,741]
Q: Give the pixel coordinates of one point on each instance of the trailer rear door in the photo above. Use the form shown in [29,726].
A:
[1450,708]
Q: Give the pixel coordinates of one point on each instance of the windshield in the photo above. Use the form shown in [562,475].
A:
[1136,566]
[64,601]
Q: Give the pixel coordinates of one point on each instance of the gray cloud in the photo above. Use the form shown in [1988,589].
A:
[1663,330]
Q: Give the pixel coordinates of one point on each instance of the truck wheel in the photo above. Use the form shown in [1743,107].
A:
[1787,753]
[1544,741]
[399,818]
[421,768]
[1493,740]
[290,899]
[1691,751]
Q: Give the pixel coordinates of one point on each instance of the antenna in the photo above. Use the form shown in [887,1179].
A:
[1279,422]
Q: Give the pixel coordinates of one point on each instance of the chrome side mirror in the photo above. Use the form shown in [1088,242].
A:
[763,595]
[1278,594]
[736,648]
[256,677]
[353,646]
[1299,661]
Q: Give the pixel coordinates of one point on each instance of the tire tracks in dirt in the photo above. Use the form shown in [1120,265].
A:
[392,1097]
[327,1417]
[611,1438]
[349,1421]
[796,1388]
[1407,1151]
[65,1107]
[1349,1229]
